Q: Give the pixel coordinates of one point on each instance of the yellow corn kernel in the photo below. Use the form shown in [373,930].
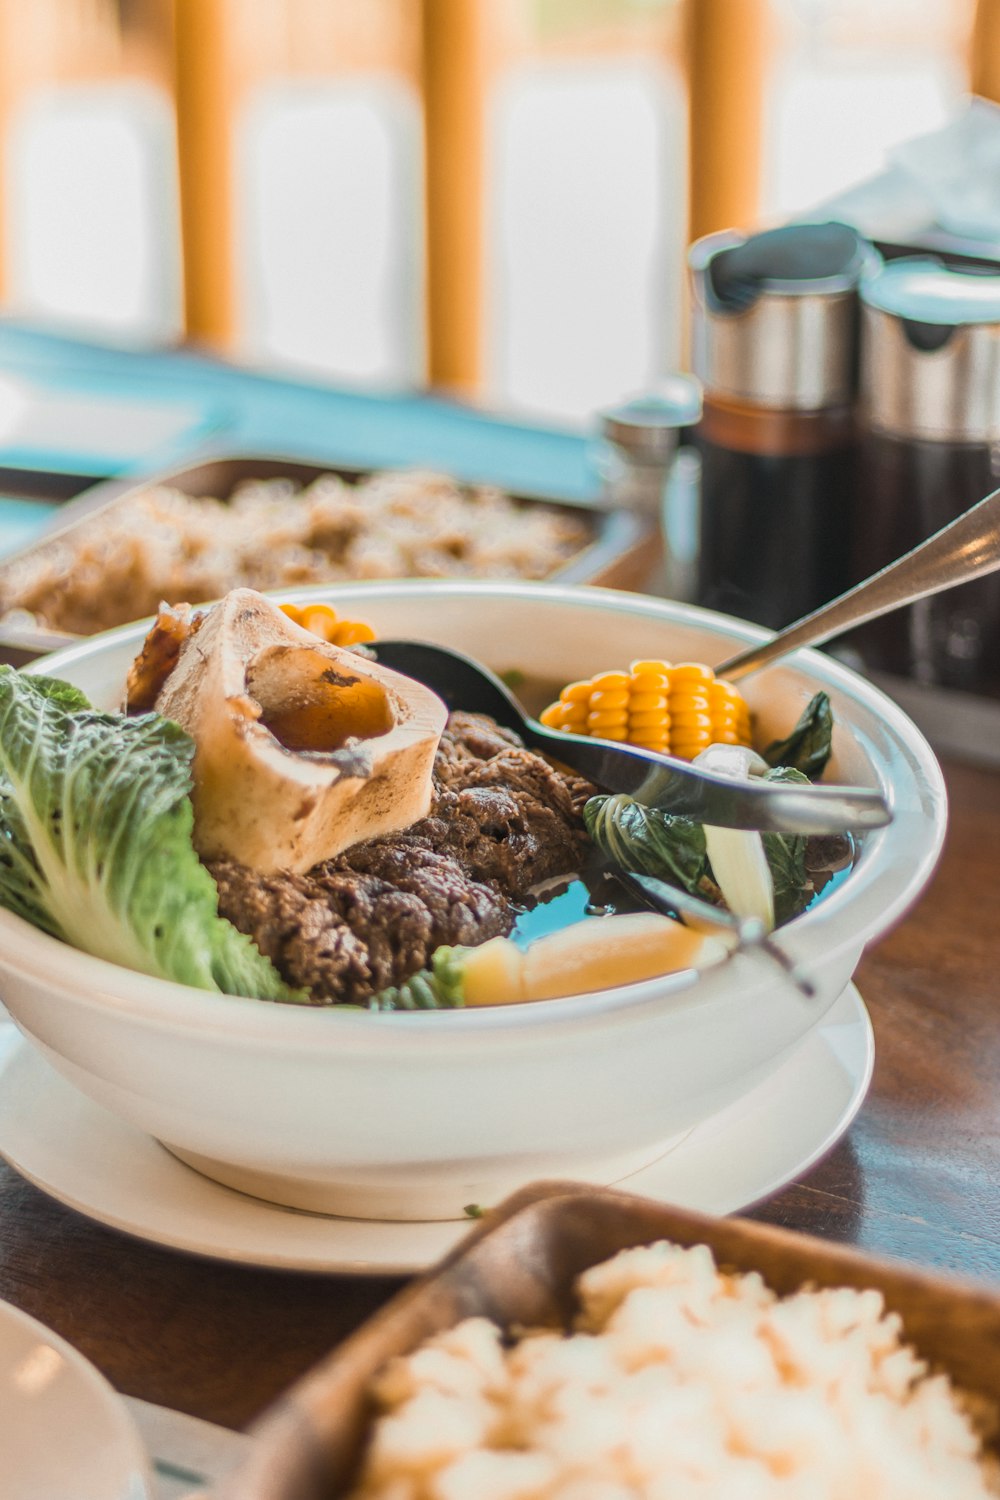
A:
[353,633]
[568,716]
[321,620]
[609,700]
[691,671]
[644,703]
[676,709]
[600,724]
[684,725]
[657,718]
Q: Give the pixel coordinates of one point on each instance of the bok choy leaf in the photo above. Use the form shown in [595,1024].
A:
[676,850]
[649,840]
[810,744]
[736,856]
[786,857]
[95,841]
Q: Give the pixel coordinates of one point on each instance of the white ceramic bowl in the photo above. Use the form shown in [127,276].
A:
[64,1431]
[416,1115]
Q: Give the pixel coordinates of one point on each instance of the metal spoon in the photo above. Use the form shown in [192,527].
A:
[656,780]
[966,548]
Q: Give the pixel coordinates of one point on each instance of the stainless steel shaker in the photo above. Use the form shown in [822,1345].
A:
[639,471]
[774,342]
[930,448]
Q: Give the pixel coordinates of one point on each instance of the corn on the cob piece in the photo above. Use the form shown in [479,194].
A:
[676,709]
[322,620]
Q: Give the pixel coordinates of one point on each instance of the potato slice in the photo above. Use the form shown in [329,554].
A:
[493,974]
[595,954]
[602,952]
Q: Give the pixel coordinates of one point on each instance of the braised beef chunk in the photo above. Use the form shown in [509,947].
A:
[502,821]
[475,737]
[293,925]
[471,737]
[345,934]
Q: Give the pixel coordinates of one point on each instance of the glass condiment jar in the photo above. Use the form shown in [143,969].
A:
[930,448]
[774,338]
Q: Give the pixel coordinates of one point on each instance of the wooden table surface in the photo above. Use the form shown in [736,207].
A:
[915,1177]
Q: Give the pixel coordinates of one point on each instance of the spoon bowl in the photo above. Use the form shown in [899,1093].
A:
[661,781]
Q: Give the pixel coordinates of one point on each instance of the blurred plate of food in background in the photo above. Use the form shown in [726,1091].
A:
[117,551]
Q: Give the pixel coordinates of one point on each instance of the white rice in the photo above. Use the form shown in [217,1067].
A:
[679,1382]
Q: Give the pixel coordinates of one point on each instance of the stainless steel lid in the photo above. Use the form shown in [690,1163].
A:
[646,426]
[638,441]
[775,315]
[930,364]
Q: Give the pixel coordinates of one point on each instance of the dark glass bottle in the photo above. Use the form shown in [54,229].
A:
[773,539]
[930,397]
[910,488]
[775,345]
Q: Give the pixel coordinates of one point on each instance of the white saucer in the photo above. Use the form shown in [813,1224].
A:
[63,1428]
[85,1157]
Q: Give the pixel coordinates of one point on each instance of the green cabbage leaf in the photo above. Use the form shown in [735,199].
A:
[96,841]
[441,987]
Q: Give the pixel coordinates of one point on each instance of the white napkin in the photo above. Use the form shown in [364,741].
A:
[948,178]
[189,1456]
[957,169]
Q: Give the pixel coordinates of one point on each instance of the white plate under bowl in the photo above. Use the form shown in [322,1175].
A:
[64,1432]
[94,1162]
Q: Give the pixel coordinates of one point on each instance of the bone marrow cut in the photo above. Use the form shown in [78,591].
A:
[302,748]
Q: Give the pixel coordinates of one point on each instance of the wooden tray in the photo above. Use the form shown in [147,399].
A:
[518,1267]
[624,550]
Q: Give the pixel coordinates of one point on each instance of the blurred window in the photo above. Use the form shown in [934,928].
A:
[586,244]
[92,226]
[329,246]
[253,172]
[850,79]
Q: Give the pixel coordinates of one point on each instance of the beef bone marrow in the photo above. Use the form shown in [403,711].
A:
[301,747]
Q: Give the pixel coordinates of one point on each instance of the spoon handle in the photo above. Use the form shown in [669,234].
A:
[749,932]
[966,548]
